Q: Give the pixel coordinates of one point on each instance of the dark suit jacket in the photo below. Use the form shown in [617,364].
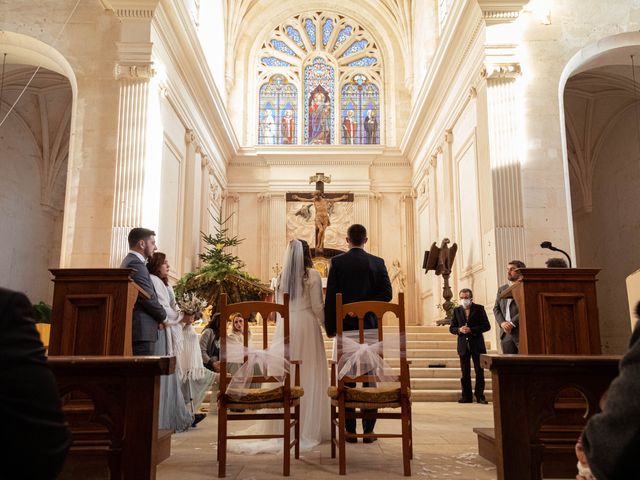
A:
[500,310]
[611,439]
[359,276]
[34,439]
[477,322]
[146,313]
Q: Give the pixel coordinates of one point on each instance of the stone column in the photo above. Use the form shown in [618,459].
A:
[408,259]
[362,215]
[375,213]
[504,135]
[231,212]
[133,70]
[277,229]
[264,226]
[191,213]
[131,155]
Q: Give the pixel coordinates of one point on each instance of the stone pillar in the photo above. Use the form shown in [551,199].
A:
[362,215]
[277,229]
[190,234]
[264,226]
[131,155]
[231,214]
[408,259]
[375,213]
[133,70]
[504,135]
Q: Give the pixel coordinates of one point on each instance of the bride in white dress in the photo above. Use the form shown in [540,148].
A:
[306,316]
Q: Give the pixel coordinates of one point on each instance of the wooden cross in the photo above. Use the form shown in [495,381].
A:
[320,179]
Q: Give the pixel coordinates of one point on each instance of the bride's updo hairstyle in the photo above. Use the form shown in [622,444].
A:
[306,256]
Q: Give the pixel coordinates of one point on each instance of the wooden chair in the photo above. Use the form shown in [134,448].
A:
[284,397]
[343,397]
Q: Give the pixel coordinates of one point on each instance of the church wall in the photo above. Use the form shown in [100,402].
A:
[30,232]
[608,236]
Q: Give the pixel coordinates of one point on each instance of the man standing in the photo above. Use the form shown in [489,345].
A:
[358,276]
[148,315]
[468,323]
[506,311]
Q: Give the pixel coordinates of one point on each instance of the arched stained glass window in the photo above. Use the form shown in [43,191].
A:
[278,112]
[336,66]
[360,112]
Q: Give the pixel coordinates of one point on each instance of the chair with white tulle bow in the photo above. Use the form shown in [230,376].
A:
[360,358]
[269,365]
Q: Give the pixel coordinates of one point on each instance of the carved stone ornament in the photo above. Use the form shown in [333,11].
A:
[189,136]
[501,70]
[134,72]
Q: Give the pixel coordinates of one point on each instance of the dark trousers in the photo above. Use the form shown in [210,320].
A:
[367,424]
[465,366]
[144,348]
[510,344]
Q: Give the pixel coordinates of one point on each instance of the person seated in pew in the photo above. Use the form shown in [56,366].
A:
[609,447]
[34,438]
[210,344]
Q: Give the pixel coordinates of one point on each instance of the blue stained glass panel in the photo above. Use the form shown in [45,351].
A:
[274,62]
[310,27]
[327,28]
[355,47]
[344,34]
[277,116]
[364,62]
[282,47]
[294,35]
[360,104]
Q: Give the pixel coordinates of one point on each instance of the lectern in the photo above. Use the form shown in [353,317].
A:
[92,311]
[558,311]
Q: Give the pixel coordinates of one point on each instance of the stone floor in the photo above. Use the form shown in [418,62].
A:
[445,448]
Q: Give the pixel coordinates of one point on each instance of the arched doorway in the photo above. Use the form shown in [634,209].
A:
[601,107]
[34,152]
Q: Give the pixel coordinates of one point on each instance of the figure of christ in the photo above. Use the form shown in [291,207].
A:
[287,127]
[322,221]
[349,127]
[319,113]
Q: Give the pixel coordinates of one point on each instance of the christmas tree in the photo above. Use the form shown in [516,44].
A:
[221,272]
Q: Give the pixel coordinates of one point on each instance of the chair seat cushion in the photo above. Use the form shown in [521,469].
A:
[369,394]
[264,395]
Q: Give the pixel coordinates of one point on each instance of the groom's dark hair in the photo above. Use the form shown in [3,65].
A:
[137,234]
[357,234]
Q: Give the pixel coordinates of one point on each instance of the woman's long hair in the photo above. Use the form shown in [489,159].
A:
[306,257]
[153,265]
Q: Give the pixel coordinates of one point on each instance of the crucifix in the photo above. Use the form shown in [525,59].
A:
[322,203]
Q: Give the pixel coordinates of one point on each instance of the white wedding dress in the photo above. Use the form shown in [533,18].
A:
[307,345]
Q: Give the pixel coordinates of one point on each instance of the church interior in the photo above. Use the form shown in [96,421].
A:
[497,124]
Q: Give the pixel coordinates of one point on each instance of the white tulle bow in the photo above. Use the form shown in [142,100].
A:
[360,359]
[267,362]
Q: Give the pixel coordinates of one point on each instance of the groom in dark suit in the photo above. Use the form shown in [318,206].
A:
[358,276]
[148,315]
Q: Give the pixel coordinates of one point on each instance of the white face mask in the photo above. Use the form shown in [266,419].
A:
[466,302]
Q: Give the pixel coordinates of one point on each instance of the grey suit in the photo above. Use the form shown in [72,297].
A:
[147,314]
[510,341]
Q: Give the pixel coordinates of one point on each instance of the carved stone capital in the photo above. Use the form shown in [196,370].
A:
[501,70]
[134,72]
[231,197]
[448,136]
[263,196]
[189,136]
[127,9]
[503,11]
[433,161]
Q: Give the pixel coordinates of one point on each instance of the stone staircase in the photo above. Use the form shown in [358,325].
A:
[435,367]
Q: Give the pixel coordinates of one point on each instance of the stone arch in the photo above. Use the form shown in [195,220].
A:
[45,114]
[600,139]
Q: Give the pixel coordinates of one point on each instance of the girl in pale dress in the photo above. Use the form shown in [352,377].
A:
[306,316]
[180,393]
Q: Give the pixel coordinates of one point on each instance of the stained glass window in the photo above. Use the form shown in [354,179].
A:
[278,112]
[360,107]
[319,110]
[320,83]
[310,27]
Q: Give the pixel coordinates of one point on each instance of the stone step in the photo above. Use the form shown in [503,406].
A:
[387,329]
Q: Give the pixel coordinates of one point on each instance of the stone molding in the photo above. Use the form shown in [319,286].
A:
[492,71]
[134,72]
[501,11]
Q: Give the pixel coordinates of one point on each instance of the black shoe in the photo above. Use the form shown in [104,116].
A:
[351,439]
[482,400]
[370,440]
[465,400]
[197,418]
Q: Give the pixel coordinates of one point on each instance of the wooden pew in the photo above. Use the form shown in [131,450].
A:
[116,415]
[525,390]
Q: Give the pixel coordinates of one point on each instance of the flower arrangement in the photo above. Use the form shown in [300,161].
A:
[191,304]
